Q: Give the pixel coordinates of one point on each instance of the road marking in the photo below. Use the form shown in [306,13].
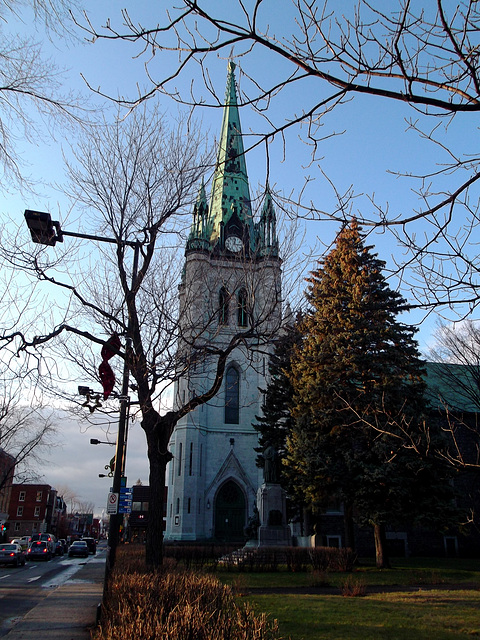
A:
[33,579]
[5,576]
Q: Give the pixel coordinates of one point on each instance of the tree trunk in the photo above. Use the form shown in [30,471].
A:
[381,555]
[349,526]
[158,436]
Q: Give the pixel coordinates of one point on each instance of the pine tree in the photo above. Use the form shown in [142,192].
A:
[358,399]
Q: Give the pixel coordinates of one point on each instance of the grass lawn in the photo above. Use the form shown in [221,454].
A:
[424,615]
[405,572]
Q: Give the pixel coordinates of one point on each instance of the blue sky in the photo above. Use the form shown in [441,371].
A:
[374,141]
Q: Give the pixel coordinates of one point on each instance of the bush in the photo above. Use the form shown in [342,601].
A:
[354,587]
[176,604]
[331,559]
[197,556]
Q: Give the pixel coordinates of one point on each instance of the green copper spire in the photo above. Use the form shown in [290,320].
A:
[267,241]
[230,190]
[200,229]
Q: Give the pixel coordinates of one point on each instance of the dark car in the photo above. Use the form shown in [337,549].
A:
[11,553]
[39,549]
[91,544]
[78,548]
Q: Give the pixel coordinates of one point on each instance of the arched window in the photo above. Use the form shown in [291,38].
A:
[242,308]
[232,396]
[223,306]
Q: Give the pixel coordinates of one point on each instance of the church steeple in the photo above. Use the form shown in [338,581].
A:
[227,226]
[230,197]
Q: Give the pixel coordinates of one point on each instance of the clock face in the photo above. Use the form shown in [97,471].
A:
[234,243]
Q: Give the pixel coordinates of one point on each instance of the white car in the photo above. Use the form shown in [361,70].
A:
[24,541]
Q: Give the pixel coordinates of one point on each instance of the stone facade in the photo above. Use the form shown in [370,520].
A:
[231,286]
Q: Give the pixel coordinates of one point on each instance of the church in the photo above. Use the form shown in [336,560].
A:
[230,294]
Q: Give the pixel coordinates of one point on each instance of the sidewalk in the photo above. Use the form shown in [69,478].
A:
[69,611]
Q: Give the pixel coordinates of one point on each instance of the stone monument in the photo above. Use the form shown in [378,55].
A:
[271,503]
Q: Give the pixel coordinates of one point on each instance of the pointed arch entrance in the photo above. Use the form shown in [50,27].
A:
[230,512]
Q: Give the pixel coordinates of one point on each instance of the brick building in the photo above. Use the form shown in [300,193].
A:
[33,509]
[7,470]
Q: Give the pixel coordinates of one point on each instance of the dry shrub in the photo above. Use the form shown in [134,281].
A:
[318,579]
[297,559]
[175,604]
[197,556]
[332,559]
[354,587]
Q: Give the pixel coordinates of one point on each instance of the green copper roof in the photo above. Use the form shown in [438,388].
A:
[230,190]
[230,211]
[454,386]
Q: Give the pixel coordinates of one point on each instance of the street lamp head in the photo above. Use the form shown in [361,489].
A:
[83,391]
[94,441]
[43,229]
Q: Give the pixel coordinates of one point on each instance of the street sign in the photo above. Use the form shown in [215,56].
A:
[112,503]
[125,509]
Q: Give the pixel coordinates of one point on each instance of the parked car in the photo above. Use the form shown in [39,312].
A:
[39,549]
[49,538]
[78,548]
[91,544]
[12,553]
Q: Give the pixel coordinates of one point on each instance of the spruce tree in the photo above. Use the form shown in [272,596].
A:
[274,424]
[358,395]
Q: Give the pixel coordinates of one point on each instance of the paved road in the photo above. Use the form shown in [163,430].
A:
[22,588]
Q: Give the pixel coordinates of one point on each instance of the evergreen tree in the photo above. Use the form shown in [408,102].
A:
[358,397]
[275,423]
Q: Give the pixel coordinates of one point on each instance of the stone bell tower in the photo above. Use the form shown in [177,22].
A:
[230,289]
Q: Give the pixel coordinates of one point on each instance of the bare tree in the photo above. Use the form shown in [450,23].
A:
[455,374]
[33,99]
[25,431]
[138,181]
[425,57]
[457,352]
[69,496]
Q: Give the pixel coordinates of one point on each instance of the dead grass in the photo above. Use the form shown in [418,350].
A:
[176,604]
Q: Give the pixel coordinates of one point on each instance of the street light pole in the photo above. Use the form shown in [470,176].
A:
[117,518]
[46,231]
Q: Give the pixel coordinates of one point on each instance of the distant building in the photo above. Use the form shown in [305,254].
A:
[32,509]
[453,395]
[7,471]
[137,521]
[81,524]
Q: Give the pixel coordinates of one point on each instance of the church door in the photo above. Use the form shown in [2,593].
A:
[230,512]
